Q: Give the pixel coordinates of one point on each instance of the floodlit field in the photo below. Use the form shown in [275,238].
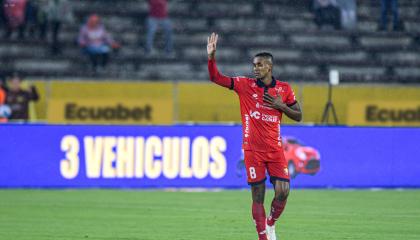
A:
[153,215]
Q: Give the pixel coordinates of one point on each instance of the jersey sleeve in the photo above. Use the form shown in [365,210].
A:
[290,97]
[239,84]
[217,77]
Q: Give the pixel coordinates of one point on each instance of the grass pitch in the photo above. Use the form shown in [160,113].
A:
[153,215]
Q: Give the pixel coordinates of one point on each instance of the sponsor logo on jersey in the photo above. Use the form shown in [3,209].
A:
[269,118]
[246,131]
[258,105]
[265,117]
[255,114]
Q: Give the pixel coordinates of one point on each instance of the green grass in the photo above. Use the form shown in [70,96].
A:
[153,215]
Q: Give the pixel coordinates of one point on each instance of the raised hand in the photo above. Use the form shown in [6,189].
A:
[211,45]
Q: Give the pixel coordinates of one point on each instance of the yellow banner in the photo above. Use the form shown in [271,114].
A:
[208,102]
[384,113]
[110,111]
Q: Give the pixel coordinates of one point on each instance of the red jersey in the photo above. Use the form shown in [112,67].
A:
[260,124]
[158,8]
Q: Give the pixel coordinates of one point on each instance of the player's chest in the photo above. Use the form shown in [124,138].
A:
[255,94]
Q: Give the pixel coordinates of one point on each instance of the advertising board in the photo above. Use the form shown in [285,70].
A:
[208,156]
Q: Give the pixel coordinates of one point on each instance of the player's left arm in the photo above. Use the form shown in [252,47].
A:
[292,110]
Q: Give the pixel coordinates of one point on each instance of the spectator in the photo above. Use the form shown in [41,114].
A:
[2,101]
[31,17]
[158,17]
[348,13]
[58,12]
[96,42]
[392,5]
[2,81]
[2,16]
[42,19]
[14,12]
[18,99]
[2,96]
[327,13]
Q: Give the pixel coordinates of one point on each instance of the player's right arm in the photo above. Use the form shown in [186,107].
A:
[215,75]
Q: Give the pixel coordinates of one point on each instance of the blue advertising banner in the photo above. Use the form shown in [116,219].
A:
[201,156]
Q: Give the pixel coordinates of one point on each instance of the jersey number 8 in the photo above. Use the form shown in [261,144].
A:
[252,173]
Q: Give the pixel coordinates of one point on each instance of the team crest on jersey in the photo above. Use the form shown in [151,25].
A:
[255,96]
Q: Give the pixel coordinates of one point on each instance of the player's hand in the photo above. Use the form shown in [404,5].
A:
[211,44]
[274,102]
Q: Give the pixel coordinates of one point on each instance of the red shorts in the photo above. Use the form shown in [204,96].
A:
[257,163]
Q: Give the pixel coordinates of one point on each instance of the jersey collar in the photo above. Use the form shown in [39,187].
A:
[261,83]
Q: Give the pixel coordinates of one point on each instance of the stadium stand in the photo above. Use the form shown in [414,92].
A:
[284,27]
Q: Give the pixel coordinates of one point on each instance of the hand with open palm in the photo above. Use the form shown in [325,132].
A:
[211,45]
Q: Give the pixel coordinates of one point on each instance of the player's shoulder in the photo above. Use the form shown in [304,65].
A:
[284,85]
[281,83]
[243,80]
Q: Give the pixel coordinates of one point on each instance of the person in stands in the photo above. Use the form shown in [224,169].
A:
[18,98]
[158,17]
[96,42]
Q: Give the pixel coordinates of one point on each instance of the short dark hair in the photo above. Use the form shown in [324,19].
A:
[266,55]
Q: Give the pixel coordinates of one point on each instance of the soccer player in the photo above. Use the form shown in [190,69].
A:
[263,101]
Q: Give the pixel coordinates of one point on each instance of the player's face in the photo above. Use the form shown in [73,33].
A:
[262,67]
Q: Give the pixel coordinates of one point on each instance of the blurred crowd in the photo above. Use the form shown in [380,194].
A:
[342,14]
[34,19]
[40,19]
[43,20]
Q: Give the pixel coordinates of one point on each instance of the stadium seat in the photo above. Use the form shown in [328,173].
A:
[282,27]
